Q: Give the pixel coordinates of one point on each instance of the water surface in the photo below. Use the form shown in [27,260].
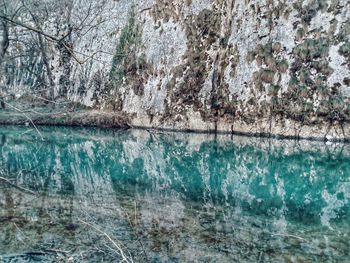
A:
[91,195]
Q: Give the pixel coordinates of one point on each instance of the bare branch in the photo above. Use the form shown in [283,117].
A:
[31,121]
[29,28]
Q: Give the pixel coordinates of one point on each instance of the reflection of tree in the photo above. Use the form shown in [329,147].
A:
[172,196]
[261,180]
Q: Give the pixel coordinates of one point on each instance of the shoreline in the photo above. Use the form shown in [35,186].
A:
[280,130]
[78,119]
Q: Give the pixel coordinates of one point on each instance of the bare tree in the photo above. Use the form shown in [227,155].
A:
[5,39]
[51,28]
[43,50]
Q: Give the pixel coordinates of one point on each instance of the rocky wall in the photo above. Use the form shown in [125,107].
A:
[267,67]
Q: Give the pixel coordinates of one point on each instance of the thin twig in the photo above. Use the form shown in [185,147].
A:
[31,121]
[135,232]
[17,186]
[51,250]
[29,28]
[125,258]
[51,101]
[287,235]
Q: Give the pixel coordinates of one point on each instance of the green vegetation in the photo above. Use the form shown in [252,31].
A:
[344,31]
[309,74]
[125,47]
[312,49]
[345,49]
[311,55]
[268,55]
[308,12]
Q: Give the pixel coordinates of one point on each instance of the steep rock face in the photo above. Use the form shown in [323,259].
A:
[280,67]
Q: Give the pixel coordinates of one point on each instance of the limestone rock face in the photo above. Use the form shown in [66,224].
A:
[261,66]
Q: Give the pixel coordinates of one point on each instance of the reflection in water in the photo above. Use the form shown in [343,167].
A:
[171,197]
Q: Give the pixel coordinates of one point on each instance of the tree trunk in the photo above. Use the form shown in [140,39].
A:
[5,40]
[3,48]
[48,68]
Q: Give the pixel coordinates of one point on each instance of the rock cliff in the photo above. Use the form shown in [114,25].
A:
[266,67]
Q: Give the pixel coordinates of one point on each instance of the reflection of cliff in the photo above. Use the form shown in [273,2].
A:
[158,228]
[259,175]
[181,196]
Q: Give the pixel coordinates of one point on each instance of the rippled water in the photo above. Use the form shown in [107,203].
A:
[90,195]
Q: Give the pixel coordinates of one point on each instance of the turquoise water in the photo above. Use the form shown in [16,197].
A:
[92,195]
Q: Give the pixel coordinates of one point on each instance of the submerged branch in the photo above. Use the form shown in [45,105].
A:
[17,186]
[121,252]
[287,236]
[43,252]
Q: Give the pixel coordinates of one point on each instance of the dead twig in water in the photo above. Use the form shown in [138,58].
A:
[25,115]
[121,252]
[287,236]
[135,232]
[24,254]
[56,251]
[44,252]
[17,186]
